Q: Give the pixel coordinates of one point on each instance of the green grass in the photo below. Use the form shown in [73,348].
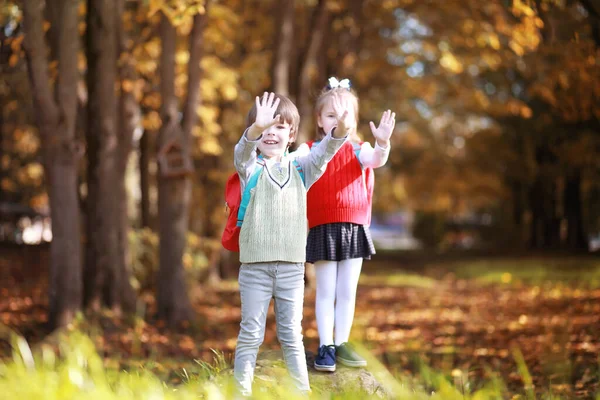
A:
[76,371]
[397,279]
[534,271]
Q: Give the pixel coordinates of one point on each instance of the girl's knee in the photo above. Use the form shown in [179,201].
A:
[346,296]
[325,293]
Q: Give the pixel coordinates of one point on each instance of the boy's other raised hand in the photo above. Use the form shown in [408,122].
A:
[385,129]
[265,111]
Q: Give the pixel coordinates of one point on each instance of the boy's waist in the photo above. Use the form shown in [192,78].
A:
[266,265]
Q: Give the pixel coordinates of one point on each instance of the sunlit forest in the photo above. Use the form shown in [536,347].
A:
[117,128]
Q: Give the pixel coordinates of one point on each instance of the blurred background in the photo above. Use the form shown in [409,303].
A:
[495,150]
[117,126]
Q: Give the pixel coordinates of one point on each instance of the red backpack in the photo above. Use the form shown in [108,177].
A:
[233,197]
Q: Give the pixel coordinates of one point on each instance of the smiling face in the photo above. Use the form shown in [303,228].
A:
[274,141]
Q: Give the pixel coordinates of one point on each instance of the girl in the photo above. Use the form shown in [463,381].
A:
[273,224]
[339,214]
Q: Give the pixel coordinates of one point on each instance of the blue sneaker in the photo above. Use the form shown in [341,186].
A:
[325,360]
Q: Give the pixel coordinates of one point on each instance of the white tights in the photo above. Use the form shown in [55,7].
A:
[336,297]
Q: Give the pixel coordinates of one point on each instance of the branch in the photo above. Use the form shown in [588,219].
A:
[68,73]
[316,39]
[129,109]
[590,7]
[594,20]
[190,112]
[283,48]
[168,107]
[548,29]
[37,63]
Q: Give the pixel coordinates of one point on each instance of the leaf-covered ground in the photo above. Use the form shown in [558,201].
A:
[470,319]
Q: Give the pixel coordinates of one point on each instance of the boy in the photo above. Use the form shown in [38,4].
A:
[273,231]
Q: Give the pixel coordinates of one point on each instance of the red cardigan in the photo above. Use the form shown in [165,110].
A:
[344,193]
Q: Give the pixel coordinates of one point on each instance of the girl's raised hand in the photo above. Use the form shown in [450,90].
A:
[341,105]
[265,111]
[385,129]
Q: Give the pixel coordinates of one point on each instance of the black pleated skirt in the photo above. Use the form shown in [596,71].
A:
[339,241]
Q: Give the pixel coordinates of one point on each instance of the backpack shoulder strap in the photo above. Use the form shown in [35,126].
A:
[251,184]
[300,170]
[357,147]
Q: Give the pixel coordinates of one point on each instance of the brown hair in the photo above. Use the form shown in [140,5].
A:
[286,109]
[326,94]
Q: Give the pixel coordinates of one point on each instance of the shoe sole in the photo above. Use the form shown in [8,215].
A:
[351,363]
[325,368]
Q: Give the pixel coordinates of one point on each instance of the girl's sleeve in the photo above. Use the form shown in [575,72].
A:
[315,163]
[244,158]
[370,157]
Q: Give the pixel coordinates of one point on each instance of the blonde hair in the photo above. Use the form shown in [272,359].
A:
[324,96]
[286,109]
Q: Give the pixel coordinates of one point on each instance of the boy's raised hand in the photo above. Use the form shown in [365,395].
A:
[265,110]
[385,129]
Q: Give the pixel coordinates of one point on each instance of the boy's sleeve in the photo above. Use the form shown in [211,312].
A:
[301,151]
[315,163]
[244,158]
[370,157]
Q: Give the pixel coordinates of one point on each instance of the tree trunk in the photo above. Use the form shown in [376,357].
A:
[56,121]
[144,167]
[283,48]
[545,224]
[107,282]
[551,220]
[576,237]
[2,99]
[309,71]
[212,204]
[129,119]
[174,191]
[536,206]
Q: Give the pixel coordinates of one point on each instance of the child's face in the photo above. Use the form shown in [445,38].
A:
[274,140]
[327,118]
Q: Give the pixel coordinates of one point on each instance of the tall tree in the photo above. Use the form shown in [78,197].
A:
[109,135]
[174,185]
[128,118]
[284,42]
[56,115]
[309,70]
[144,168]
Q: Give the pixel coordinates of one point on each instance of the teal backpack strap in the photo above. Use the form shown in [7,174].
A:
[300,170]
[357,147]
[246,195]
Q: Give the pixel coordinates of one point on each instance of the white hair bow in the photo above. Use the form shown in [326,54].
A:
[344,83]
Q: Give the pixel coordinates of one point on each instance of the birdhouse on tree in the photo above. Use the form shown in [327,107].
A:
[172,161]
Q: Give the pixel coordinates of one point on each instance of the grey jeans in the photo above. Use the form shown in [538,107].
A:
[259,282]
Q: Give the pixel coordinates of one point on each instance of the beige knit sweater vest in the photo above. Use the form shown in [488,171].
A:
[275,225]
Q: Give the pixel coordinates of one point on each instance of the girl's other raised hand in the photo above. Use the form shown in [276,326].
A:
[385,129]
